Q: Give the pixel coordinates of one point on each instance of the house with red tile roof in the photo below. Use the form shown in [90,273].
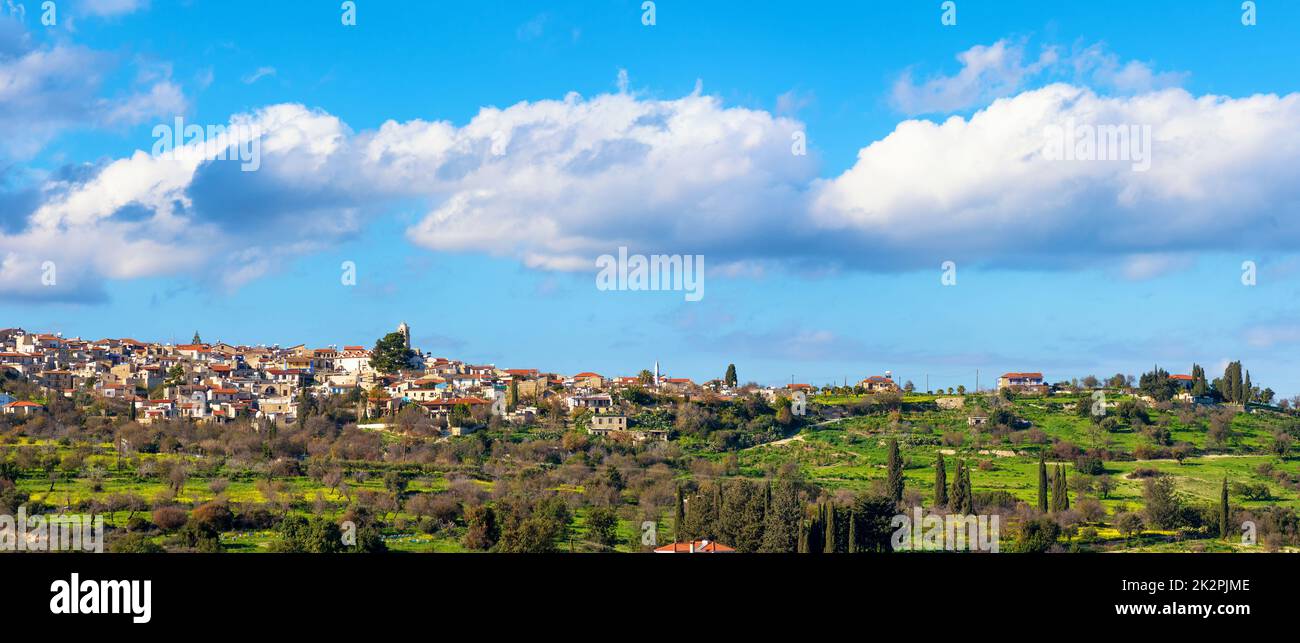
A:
[589,380]
[879,384]
[676,384]
[23,408]
[1024,382]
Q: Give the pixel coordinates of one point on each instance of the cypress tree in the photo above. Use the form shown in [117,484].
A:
[853,533]
[968,493]
[895,482]
[1042,483]
[1065,490]
[954,495]
[679,520]
[1060,501]
[783,520]
[1056,489]
[717,509]
[1223,510]
[940,484]
[1199,385]
[817,530]
[830,529]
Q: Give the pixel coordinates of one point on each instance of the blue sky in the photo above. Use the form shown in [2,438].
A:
[821,267]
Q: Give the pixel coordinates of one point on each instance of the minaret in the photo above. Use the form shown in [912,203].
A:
[656,373]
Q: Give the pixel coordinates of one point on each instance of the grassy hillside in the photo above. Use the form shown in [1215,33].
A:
[851,453]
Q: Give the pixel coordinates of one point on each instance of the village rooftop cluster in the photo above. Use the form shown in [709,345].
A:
[221,382]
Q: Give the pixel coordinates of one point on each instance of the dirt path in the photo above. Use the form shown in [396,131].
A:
[798,437]
[795,438]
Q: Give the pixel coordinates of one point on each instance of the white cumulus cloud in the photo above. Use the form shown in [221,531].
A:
[1224,173]
[555,183]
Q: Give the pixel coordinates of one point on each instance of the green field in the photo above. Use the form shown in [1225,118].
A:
[831,455]
[851,453]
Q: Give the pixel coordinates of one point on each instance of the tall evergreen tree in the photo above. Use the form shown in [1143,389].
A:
[1223,510]
[954,494]
[1065,489]
[830,529]
[853,533]
[679,519]
[1233,387]
[717,509]
[1060,497]
[1054,503]
[730,378]
[968,491]
[391,354]
[1042,483]
[895,481]
[783,521]
[940,484]
[743,515]
[962,499]
[1199,385]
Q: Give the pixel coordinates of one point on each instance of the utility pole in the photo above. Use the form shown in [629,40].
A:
[977,380]
[927,382]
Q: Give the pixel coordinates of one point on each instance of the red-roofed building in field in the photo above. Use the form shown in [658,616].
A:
[22,408]
[1022,382]
[695,547]
[879,384]
[1184,383]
